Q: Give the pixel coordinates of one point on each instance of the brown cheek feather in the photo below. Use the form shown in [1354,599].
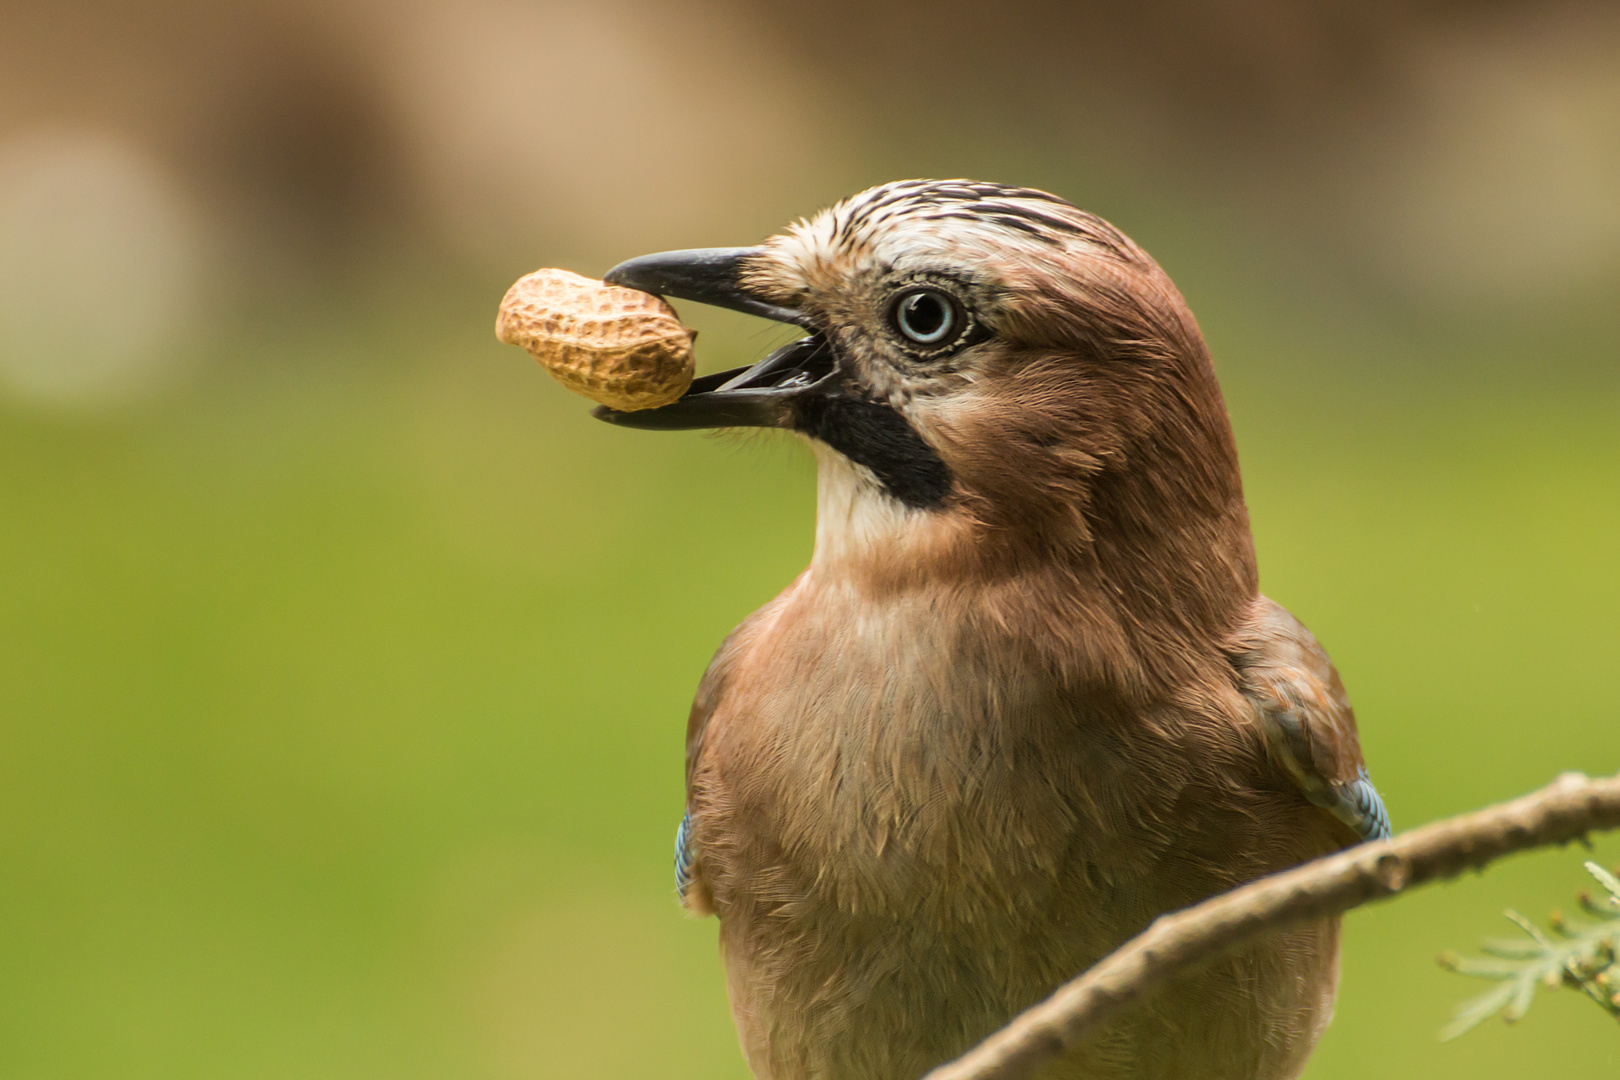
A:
[1099,475]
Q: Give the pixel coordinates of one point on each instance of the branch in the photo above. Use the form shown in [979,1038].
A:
[1565,810]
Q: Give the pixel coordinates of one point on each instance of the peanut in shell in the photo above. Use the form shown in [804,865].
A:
[621,347]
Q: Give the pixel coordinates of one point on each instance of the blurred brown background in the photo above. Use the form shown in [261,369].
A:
[1458,153]
[344,659]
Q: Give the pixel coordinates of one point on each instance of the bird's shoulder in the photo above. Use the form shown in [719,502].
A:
[690,885]
[1300,704]
[711,692]
[722,671]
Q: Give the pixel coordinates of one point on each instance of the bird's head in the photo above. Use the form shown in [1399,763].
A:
[994,379]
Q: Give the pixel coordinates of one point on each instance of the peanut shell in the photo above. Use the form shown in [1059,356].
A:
[621,347]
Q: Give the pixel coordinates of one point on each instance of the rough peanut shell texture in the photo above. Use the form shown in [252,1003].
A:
[621,347]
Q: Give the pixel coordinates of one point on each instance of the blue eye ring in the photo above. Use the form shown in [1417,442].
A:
[927,317]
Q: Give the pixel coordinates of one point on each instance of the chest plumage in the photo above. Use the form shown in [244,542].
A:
[921,832]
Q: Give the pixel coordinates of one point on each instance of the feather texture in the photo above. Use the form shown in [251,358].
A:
[684,857]
[1309,726]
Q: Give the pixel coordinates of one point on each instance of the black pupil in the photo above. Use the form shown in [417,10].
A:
[924,314]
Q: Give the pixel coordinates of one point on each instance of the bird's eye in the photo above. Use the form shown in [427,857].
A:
[926,316]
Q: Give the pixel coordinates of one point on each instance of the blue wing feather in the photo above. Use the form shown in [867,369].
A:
[1367,813]
[683,855]
[1356,803]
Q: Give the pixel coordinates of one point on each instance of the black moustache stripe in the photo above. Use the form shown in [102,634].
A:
[877,436]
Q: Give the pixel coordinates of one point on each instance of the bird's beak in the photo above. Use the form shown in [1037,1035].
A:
[768,394]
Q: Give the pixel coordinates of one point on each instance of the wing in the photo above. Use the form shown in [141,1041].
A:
[688,872]
[1309,727]
[689,882]
[685,856]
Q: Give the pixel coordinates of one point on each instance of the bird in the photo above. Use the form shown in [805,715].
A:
[1027,695]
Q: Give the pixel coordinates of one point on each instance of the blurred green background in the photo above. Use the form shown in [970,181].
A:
[344,660]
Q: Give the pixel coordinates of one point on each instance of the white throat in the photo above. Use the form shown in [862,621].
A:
[856,517]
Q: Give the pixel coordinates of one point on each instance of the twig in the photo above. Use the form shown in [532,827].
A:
[1579,953]
[1565,810]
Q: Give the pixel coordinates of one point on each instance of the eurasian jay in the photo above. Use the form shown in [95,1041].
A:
[1027,695]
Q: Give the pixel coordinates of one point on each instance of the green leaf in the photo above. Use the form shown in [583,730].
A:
[1470,1014]
[1578,954]
[1604,878]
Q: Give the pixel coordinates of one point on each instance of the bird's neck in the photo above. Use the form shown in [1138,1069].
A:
[863,533]
[1170,552]
[1151,582]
